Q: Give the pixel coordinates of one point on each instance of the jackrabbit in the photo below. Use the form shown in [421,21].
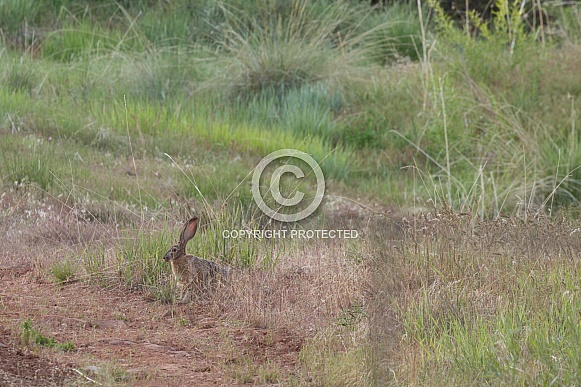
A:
[192,273]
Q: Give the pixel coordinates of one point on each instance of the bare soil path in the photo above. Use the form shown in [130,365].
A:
[132,340]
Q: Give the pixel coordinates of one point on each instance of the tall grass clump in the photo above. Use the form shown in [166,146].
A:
[63,272]
[85,39]
[243,252]
[304,111]
[392,33]
[286,52]
[176,26]
[165,74]
[15,13]
[141,267]
[28,160]
[185,23]
[19,75]
[214,240]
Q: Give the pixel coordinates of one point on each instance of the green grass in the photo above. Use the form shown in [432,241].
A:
[492,306]
[37,167]
[14,13]
[330,364]
[31,335]
[140,266]
[166,94]
[63,272]
[79,42]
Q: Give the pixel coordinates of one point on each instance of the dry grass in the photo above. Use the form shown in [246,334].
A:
[458,301]
[305,290]
[428,299]
[299,321]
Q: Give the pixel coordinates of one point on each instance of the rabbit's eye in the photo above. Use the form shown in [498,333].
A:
[174,249]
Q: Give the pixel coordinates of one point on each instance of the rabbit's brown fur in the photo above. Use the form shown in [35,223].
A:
[192,274]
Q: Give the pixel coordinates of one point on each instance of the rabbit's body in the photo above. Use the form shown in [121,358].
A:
[192,274]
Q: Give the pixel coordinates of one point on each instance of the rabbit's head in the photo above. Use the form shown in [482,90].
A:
[179,250]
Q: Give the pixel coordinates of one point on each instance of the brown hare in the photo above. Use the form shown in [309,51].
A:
[192,274]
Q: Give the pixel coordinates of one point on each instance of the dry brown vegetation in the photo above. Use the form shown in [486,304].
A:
[276,324]
[438,298]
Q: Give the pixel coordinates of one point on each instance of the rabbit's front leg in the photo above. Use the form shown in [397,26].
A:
[185,293]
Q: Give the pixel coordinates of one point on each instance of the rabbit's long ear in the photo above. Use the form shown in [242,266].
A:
[189,231]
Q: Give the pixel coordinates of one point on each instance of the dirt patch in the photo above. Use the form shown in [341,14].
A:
[121,338]
[14,271]
[22,368]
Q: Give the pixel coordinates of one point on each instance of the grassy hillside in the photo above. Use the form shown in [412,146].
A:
[121,118]
[487,119]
